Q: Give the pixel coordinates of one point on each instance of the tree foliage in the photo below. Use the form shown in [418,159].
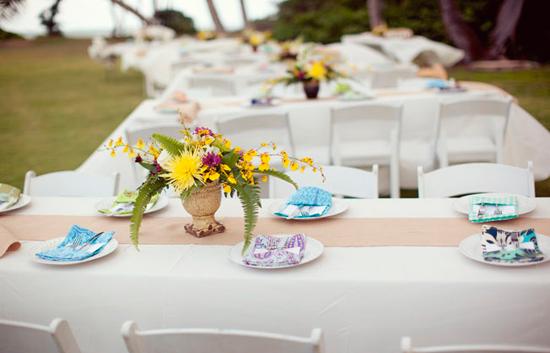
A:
[176,20]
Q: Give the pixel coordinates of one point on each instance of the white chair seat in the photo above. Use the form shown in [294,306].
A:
[475,149]
[355,153]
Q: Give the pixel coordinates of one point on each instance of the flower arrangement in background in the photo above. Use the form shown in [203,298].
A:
[255,38]
[207,35]
[289,50]
[202,160]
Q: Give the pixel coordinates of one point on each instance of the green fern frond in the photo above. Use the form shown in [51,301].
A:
[250,200]
[278,174]
[170,144]
[146,191]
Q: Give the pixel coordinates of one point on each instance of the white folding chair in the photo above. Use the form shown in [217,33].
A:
[472,130]
[133,135]
[19,337]
[389,78]
[217,341]
[462,179]
[220,86]
[71,184]
[340,181]
[249,131]
[367,134]
[407,347]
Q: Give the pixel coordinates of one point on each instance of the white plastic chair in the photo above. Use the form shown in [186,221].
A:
[19,337]
[71,184]
[249,131]
[470,178]
[217,341]
[367,134]
[389,78]
[220,86]
[340,181]
[407,347]
[133,135]
[472,130]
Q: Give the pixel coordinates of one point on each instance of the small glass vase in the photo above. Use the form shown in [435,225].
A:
[202,205]
[311,89]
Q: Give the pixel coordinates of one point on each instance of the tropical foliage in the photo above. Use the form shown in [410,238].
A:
[176,20]
[201,158]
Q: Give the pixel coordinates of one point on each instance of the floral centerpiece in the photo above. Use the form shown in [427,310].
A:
[289,50]
[310,74]
[255,38]
[206,35]
[201,166]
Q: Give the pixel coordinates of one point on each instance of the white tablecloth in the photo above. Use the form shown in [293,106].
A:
[364,299]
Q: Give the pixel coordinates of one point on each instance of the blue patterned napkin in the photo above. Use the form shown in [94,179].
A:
[269,251]
[88,245]
[492,208]
[9,196]
[124,204]
[307,202]
[504,246]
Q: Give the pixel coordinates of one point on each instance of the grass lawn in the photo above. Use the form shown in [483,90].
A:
[57,106]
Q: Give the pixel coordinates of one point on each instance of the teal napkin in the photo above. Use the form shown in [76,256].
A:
[79,244]
[9,195]
[124,203]
[307,202]
[492,208]
[504,246]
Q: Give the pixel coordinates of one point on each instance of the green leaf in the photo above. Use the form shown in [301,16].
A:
[170,144]
[146,192]
[250,201]
[278,174]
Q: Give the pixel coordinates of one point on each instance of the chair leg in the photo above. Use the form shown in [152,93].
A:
[394,178]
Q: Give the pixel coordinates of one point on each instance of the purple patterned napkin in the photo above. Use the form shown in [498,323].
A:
[270,251]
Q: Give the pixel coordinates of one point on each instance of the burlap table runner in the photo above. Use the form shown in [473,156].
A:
[334,232]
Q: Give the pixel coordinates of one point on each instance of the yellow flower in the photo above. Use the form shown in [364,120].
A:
[212,175]
[126,149]
[119,142]
[264,178]
[225,167]
[231,179]
[294,166]
[154,151]
[132,153]
[140,144]
[113,153]
[183,171]
[226,188]
[110,143]
[317,71]
[256,39]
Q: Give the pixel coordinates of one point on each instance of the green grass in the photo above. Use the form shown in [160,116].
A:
[57,105]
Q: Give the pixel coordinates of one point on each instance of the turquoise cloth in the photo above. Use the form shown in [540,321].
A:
[307,202]
[499,245]
[492,208]
[66,252]
[438,83]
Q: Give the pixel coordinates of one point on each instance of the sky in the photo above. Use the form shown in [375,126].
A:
[86,17]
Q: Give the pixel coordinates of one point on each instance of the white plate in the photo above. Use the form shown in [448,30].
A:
[23,201]
[274,103]
[471,248]
[49,244]
[525,204]
[107,203]
[314,249]
[338,206]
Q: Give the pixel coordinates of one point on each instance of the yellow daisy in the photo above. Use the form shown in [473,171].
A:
[183,171]
[317,71]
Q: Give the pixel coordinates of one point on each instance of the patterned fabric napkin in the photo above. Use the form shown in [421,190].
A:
[269,251]
[124,204]
[9,196]
[492,208]
[307,202]
[78,245]
[504,246]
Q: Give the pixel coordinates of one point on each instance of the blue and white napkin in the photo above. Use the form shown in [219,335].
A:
[9,196]
[79,244]
[505,246]
[307,202]
[124,204]
[270,251]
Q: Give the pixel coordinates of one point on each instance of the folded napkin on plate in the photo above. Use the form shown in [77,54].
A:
[505,246]
[9,196]
[180,97]
[214,70]
[438,83]
[78,245]
[492,208]
[8,242]
[269,251]
[307,202]
[124,203]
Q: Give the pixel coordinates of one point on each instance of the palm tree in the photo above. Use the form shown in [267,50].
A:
[215,18]
[133,11]
[243,12]
[374,8]
[505,28]
[9,8]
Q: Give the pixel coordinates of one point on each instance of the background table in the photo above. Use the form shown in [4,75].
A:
[364,298]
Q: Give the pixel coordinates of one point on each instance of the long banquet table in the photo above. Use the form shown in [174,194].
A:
[364,298]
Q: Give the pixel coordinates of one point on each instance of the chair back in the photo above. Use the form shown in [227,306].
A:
[217,341]
[249,131]
[19,337]
[407,347]
[71,184]
[470,178]
[339,181]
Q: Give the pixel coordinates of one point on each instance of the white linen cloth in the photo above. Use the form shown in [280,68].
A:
[364,299]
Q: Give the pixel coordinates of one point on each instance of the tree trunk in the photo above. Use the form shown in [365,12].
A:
[505,28]
[133,11]
[243,12]
[215,18]
[374,8]
[47,18]
[459,32]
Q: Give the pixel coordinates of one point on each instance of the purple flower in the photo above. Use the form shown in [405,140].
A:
[139,159]
[211,159]
[203,131]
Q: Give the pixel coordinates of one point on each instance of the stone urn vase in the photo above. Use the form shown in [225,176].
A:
[311,89]
[202,205]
